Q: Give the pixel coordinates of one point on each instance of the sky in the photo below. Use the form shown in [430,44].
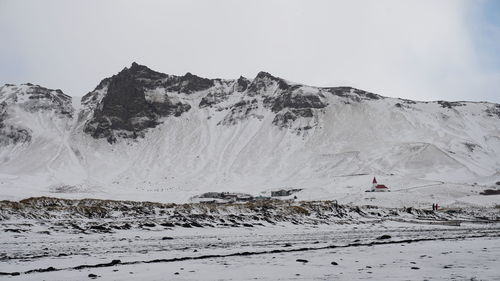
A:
[421,50]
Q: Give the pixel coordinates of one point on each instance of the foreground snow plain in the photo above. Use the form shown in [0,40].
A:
[468,259]
[454,257]
[54,242]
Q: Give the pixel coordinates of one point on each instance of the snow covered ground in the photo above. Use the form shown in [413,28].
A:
[56,239]
[285,252]
[405,192]
[469,259]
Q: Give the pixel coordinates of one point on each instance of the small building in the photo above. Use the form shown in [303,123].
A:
[223,197]
[244,198]
[284,192]
[378,187]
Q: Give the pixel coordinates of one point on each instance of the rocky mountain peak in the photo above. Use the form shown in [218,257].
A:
[137,71]
[137,98]
[136,65]
[126,109]
[33,98]
[264,81]
[263,74]
[242,84]
[190,83]
[27,99]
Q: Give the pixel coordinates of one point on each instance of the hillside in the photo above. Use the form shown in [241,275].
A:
[145,135]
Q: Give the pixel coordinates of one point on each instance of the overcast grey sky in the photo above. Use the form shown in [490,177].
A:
[424,50]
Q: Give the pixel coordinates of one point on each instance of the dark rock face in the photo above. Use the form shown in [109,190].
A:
[34,98]
[262,83]
[135,99]
[288,100]
[242,84]
[494,111]
[222,90]
[125,110]
[352,93]
[148,78]
[241,110]
[191,83]
[284,119]
[30,98]
[45,99]
[10,134]
[448,104]
[293,104]
[213,98]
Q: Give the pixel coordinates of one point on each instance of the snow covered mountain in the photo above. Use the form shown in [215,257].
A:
[146,135]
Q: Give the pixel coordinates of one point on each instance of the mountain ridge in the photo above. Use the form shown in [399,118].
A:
[141,131]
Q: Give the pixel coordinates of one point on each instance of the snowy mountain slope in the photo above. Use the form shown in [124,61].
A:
[39,122]
[146,135]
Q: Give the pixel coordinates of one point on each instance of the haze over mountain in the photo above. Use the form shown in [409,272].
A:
[142,134]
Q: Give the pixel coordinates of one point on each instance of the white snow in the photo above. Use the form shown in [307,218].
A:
[457,256]
[425,153]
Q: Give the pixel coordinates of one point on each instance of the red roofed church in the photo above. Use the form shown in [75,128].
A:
[378,187]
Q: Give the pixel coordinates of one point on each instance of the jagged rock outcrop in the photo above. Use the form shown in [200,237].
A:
[10,134]
[288,101]
[137,98]
[34,98]
[28,98]
[353,94]
[265,82]
[134,100]
[493,110]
